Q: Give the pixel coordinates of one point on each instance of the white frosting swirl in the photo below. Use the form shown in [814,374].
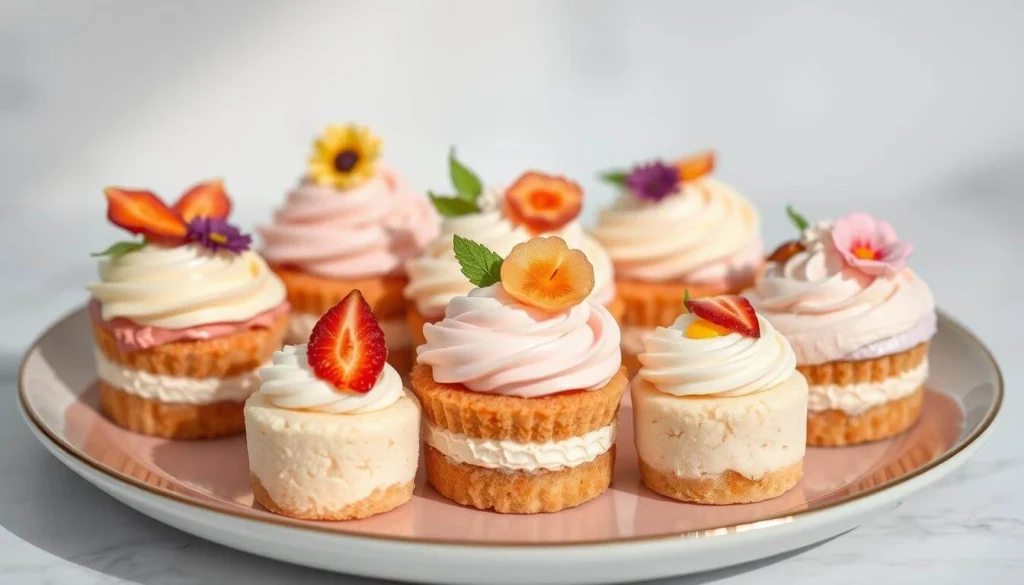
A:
[435,278]
[490,342]
[185,286]
[291,383]
[729,365]
[704,233]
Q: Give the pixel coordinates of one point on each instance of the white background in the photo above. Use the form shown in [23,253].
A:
[911,110]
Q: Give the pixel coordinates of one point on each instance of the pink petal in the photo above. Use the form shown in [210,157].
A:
[859,228]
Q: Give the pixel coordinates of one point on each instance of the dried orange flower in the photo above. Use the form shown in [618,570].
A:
[696,166]
[546,274]
[543,203]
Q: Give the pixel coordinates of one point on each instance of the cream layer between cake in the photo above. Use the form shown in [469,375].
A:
[176,389]
[315,462]
[516,456]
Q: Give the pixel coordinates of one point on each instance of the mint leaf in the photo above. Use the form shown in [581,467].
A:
[480,265]
[452,206]
[617,178]
[798,220]
[120,249]
[467,184]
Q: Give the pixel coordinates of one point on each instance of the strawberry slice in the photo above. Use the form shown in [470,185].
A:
[696,166]
[204,200]
[142,212]
[785,251]
[347,346]
[733,312]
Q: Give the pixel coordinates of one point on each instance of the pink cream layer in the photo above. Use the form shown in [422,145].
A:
[132,337]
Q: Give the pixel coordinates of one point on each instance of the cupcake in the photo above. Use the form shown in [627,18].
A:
[859,321]
[351,223]
[672,229]
[183,318]
[535,204]
[520,383]
[332,433]
[718,407]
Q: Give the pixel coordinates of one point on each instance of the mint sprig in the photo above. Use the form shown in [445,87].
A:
[798,220]
[120,249]
[617,178]
[467,186]
[480,265]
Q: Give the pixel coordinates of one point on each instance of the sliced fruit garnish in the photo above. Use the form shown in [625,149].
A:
[732,312]
[701,329]
[546,274]
[204,200]
[142,212]
[542,202]
[347,347]
[785,251]
[696,166]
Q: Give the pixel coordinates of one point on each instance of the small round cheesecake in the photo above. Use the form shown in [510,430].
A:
[324,466]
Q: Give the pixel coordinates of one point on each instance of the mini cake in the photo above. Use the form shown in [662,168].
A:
[520,383]
[350,224]
[183,318]
[332,433]
[535,204]
[718,407]
[860,322]
[673,229]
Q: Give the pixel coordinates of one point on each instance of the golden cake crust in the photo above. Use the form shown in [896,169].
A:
[220,357]
[315,294]
[725,488]
[877,369]
[454,408]
[519,492]
[835,428]
[658,304]
[171,420]
[380,501]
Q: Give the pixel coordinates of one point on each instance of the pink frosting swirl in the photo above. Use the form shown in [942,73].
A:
[366,231]
[829,311]
[492,343]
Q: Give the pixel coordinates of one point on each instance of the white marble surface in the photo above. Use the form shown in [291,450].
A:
[910,110]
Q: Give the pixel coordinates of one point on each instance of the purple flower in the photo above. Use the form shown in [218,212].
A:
[217,234]
[654,181]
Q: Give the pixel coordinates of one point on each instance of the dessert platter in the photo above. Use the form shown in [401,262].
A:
[472,387]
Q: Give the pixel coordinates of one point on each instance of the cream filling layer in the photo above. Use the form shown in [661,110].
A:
[174,388]
[300,325]
[515,456]
[855,399]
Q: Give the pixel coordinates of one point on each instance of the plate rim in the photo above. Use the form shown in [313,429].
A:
[983,429]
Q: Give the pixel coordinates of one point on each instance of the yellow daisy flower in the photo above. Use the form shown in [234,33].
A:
[344,156]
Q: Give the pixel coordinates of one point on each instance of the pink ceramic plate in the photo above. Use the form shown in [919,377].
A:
[203,487]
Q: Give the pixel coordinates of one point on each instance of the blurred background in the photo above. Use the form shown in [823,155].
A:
[912,110]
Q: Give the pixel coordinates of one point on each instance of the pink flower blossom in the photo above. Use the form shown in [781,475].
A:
[870,245]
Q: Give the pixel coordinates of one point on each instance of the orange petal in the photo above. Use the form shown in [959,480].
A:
[141,212]
[546,274]
[696,166]
[785,251]
[543,203]
[204,200]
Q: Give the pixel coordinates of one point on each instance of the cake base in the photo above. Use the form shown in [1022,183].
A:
[518,492]
[171,420]
[724,488]
[380,501]
[835,428]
